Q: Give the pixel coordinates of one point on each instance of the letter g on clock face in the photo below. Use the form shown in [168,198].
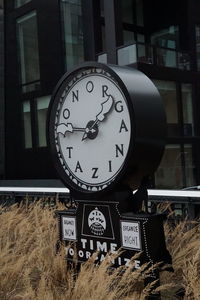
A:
[91,128]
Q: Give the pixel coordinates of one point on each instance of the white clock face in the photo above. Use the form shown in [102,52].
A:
[92,129]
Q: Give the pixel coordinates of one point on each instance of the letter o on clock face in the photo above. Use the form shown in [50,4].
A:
[93,130]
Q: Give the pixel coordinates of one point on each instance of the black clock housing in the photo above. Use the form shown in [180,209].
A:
[147,126]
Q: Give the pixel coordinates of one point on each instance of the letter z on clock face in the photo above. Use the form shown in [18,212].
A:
[91,128]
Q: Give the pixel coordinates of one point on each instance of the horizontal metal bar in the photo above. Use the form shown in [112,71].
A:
[27,190]
[174,193]
[151,192]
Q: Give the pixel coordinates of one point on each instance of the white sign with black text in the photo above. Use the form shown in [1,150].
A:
[130,234]
[69,228]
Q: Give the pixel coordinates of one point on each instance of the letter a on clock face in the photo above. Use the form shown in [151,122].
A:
[92,129]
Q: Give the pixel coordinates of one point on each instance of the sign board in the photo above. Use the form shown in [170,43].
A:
[131,235]
[68,228]
[95,226]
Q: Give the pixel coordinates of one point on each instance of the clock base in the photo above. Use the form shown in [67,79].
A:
[107,226]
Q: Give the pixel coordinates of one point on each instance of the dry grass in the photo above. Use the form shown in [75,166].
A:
[30,269]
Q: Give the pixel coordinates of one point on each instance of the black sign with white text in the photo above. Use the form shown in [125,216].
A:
[95,226]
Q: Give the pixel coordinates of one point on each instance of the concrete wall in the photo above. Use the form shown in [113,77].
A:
[2,95]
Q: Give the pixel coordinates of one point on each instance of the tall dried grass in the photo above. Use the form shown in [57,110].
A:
[30,268]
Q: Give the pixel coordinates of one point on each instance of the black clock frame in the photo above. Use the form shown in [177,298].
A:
[148,127]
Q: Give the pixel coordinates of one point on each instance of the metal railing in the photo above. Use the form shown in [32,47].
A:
[32,190]
[185,196]
[150,54]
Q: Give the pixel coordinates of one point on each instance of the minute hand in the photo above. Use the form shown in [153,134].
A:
[105,108]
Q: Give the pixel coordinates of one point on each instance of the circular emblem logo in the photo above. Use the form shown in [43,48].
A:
[97,222]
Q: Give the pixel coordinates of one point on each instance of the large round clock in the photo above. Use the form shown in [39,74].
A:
[99,128]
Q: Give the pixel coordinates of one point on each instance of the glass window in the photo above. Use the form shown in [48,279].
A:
[135,53]
[167,91]
[170,172]
[140,38]
[19,3]
[198,46]
[184,61]
[103,37]
[102,8]
[186,90]
[166,57]
[42,106]
[139,12]
[189,165]
[132,12]
[72,31]
[27,124]
[127,11]
[145,53]
[167,38]
[129,37]
[28,51]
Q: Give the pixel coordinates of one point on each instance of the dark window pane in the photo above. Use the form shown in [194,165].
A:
[102,8]
[189,166]
[145,53]
[140,38]
[127,11]
[42,106]
[186,90]
[103,36]
[27,125]
[167,38]
[132,12]
[198,46]
[167,90]
[19,3]
[72,31]
[129,37]
[139,12]
[28,50]
[166,57]
[170,172]
[184,61]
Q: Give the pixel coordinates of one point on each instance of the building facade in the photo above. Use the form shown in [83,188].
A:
[2,98]
[44,39]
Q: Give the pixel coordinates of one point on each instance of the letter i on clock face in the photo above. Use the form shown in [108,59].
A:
[92,129]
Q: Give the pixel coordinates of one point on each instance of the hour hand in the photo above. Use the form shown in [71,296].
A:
[64,128]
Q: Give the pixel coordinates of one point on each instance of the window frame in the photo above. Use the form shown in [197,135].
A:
[20,53]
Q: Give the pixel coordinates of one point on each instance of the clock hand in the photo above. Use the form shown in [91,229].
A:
[64,128]
[105,109]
